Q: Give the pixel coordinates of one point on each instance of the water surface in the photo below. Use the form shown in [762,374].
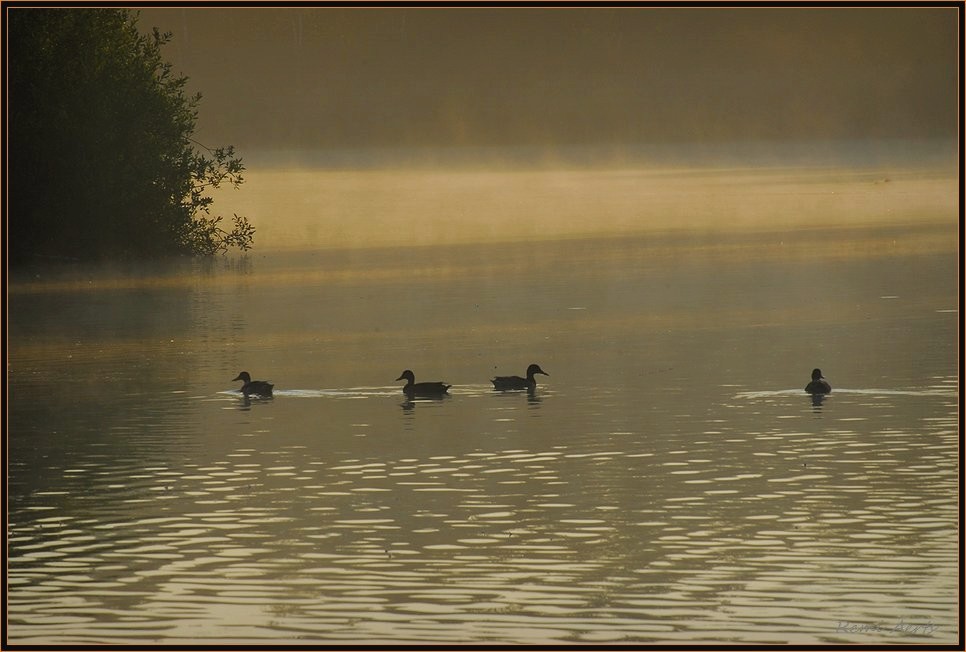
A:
[669,482]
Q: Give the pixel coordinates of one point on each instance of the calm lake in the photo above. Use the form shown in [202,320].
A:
[669,482]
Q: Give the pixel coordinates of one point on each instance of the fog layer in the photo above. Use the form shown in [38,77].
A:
[413,77]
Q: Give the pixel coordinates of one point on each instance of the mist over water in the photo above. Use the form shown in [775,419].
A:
[299,199]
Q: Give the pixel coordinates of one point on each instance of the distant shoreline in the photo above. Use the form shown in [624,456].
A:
[928,153]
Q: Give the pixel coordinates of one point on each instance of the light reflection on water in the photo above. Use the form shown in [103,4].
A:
[663,484]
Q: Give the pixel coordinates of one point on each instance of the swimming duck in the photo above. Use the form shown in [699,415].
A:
[818,385]
[257,387]
[412,388]
[515,382]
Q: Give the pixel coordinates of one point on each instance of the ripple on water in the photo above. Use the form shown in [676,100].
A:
[720,542]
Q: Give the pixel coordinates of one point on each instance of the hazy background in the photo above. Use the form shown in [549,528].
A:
[324,78]
[784,187]
[652,96]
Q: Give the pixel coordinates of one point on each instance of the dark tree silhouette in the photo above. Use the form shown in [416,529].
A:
[101,159]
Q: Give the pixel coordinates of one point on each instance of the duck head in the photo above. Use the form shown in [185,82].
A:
[816,374]
[535,369]
[408,376]
[244,377]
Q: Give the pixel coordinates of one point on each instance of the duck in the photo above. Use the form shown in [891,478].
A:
[515,382]
[818,385]
[412,388]
[257,387]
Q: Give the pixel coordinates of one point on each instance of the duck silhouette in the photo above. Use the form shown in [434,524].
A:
[256,387]
[515,382]
[818,385]
[412,388]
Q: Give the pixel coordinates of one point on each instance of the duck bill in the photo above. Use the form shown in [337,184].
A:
[237,378]
[401,378]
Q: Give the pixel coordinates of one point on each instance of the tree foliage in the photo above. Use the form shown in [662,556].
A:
[101,159]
